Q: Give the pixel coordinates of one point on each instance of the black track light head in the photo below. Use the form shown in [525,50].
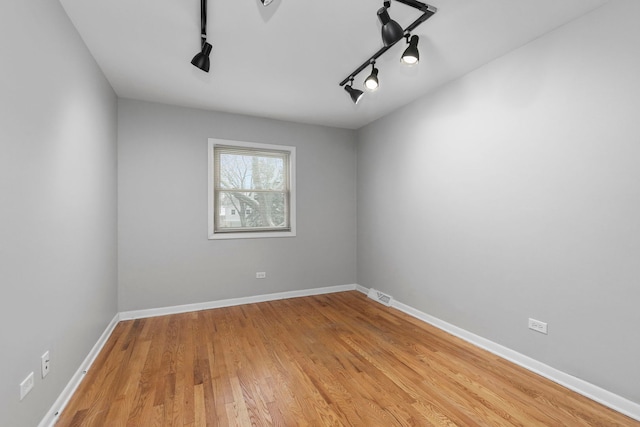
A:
[201,60]
[411,55]
[371,82]
[391,30]
[355,94]
[266,2]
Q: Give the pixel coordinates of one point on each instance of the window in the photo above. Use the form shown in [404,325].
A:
[256,182]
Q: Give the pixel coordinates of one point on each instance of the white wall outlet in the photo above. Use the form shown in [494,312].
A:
[538,326]
[26,385]
[46,363]
[261,275]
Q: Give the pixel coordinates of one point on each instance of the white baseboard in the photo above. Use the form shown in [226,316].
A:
[140,314]
[362,289]
[52,415]
[598,394]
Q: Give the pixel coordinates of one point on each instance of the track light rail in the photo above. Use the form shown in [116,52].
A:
[427,12]
[203,21]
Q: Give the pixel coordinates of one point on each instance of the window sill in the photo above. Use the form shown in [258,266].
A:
[249,235]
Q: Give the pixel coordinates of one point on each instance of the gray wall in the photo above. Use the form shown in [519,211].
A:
[514,193]
[58,273]
[165,258]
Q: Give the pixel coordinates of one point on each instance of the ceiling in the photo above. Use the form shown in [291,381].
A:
[285,61]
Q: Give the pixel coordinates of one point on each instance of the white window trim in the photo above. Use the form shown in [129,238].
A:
[292,188]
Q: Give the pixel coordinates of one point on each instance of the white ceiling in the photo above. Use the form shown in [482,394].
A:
[285,61]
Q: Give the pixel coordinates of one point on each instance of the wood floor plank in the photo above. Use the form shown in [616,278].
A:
[327,360]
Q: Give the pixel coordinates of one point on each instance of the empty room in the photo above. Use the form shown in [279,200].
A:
[279,212]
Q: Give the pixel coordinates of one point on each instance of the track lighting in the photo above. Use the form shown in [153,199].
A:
[266,2]
[355,94]
[392,32]
[371,82]
[411,55]
[201,60]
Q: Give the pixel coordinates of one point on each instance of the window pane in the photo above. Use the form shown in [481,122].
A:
[246,171]
[252,210]
[251,190]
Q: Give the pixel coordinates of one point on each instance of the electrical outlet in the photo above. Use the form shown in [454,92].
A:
[261,275]
[538,326]
[26,385]
[46,361]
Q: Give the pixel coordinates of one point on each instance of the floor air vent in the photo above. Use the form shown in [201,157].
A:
[382,298]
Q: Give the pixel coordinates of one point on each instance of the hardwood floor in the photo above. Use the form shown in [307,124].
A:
[328,360]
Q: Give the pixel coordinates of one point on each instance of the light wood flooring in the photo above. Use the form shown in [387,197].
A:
[329,360]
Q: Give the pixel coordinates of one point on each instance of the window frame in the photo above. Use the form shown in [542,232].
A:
[219,235]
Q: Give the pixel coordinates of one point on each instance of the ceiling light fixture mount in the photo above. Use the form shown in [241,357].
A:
[392,32]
